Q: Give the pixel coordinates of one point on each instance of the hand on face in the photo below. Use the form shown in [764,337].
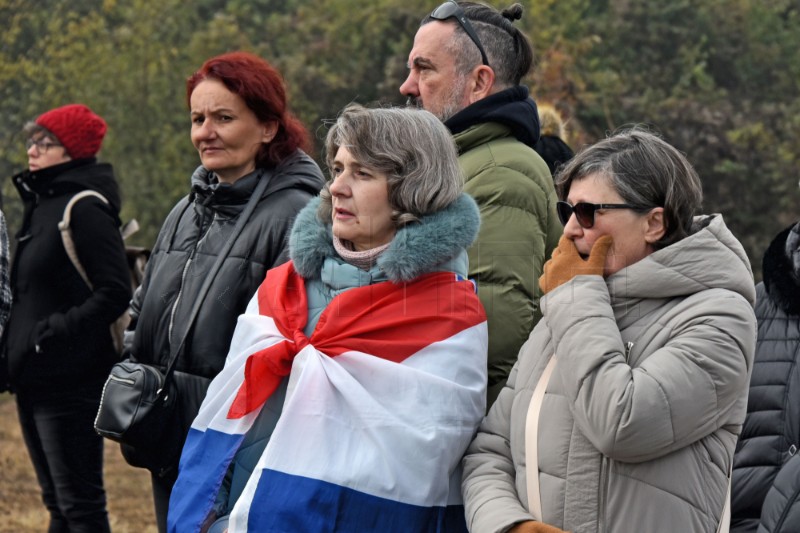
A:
[566,263]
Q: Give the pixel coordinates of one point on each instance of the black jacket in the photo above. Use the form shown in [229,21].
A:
[771,432]
[53,307]
[781,511]
[188,245]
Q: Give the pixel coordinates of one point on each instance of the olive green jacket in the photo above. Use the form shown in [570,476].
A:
[519,229]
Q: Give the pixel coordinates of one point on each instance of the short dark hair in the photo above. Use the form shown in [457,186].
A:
[261,87]
[646,172]
[509,51]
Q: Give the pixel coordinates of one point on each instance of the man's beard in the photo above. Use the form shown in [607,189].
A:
[452,100]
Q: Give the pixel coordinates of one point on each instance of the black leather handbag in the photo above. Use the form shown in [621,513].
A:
[135,404]
[140,405]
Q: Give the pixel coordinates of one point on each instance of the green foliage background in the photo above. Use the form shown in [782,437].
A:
[717,78]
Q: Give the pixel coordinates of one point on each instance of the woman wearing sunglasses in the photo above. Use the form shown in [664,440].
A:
[625,405]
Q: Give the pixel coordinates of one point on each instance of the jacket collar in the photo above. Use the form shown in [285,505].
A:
[416,249]
[710,257]
[41,180]
[297,171]
[511,107]
[70,178]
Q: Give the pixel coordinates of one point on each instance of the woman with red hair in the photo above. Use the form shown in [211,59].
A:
[248,142]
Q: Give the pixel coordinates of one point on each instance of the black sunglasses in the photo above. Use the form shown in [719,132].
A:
[452,10]
[584,211]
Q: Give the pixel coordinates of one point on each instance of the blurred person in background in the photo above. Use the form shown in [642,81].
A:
[57,341]
[5,296]
[243,132]
[766,466]
[552,144]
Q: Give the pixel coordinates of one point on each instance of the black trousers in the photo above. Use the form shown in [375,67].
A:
[68,457]
[162,488]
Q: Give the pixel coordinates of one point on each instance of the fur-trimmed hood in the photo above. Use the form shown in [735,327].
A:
[781,274]
[416,249]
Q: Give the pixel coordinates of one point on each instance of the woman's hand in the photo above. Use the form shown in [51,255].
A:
[534,527]
[566,263]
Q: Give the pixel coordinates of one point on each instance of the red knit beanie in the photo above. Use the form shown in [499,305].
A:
[77,128]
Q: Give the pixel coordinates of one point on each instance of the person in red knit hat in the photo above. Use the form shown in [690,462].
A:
[58,344]
[79,130]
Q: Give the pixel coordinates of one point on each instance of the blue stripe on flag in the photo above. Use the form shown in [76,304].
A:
[204,462]
[287,503]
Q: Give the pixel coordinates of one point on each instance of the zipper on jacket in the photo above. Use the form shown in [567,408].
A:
[178,298]
[601,505]
[183,277]
[628,348]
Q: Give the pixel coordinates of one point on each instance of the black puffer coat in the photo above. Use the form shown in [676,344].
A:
[781,511]
[771,433]
[186,248]
[53,307]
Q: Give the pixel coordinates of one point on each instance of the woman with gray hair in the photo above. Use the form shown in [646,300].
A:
[624,407]
[356,377]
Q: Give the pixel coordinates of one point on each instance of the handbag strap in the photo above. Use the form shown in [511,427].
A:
[532,453]
[263,181]
[532,441]
[725,521]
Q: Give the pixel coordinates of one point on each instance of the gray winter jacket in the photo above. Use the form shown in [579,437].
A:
[641,415]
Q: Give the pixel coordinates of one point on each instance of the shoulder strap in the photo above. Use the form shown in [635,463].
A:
[725,521]
[532,453]
[209,278]
[532,441]
[66,232]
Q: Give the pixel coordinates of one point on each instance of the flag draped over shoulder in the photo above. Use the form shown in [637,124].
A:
[382,401]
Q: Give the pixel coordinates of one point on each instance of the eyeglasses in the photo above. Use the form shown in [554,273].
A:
[41,145]
[452,10]
[584,211]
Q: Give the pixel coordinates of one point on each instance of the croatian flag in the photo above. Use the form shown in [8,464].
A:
[382,401]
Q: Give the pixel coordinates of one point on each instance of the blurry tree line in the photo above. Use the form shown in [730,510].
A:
[717,78]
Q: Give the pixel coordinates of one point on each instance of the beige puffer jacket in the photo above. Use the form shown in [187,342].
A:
[642,412]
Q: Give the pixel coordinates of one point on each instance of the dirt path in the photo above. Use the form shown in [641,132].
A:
[128,489]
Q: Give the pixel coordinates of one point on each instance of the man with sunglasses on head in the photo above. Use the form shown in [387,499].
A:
[465,67]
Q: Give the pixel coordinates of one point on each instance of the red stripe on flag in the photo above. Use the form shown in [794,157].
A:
[388,320]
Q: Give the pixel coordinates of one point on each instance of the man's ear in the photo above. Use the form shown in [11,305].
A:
[481,83]
[656,226]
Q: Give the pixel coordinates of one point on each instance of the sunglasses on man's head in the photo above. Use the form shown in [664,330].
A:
[584,211]
[450,9]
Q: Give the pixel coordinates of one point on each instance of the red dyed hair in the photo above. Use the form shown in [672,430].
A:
[261,87]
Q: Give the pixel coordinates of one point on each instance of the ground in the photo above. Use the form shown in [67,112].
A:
[130,506]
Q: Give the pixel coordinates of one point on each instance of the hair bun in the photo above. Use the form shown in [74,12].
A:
[513,12]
